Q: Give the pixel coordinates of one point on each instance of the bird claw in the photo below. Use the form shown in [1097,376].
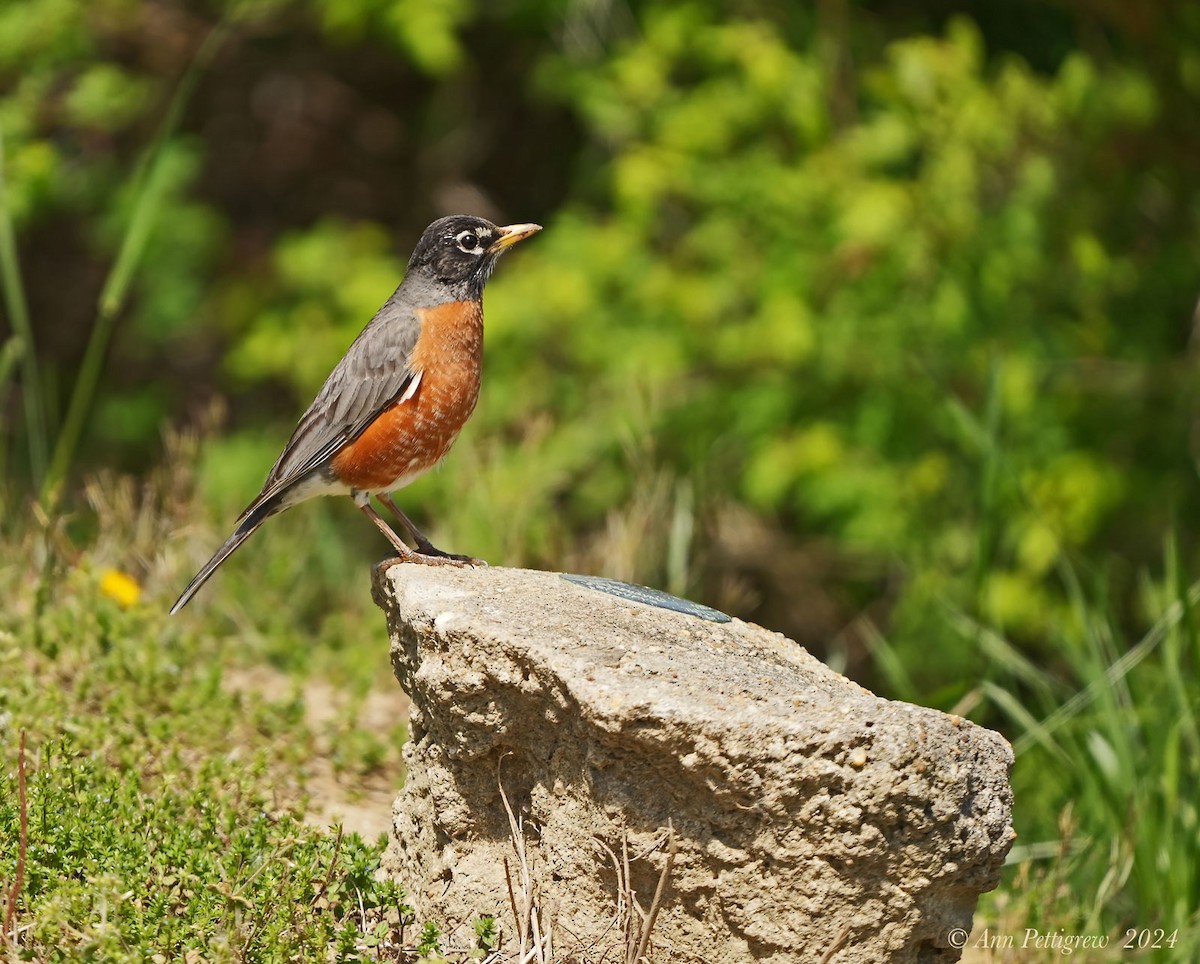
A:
[454,559]
[430,559]
[432,552]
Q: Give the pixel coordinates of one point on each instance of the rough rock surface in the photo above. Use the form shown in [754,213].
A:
[811,818]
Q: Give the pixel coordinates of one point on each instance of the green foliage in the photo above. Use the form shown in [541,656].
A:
[112,866]
[1107,759]
[820,314]
[324,282]
[842,318]
[487,933]
[106,97]
[425,32]
[890,311]
[54,52]
[160,819]
[901,332]
[429,943]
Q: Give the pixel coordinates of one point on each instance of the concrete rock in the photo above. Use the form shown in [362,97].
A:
[809,817]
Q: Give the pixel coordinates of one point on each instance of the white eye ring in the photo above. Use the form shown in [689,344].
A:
[469,242]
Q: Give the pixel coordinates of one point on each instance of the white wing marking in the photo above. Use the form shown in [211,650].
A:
[411,390]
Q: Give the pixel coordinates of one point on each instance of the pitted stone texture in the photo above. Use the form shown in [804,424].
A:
[811,816]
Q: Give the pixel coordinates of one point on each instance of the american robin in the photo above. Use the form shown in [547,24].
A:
[395,403]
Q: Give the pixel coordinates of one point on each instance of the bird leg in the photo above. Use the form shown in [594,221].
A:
[403,552]
[424,546]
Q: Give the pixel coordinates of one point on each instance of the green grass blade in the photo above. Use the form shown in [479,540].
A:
[1181,641]
[1119,669]
[149,185]
[17,307]
[111,301]
[887,660]
[10,355]
[1000,652]
[1035,731]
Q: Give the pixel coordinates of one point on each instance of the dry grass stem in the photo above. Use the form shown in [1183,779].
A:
[835,946]
[636,923]
[536,944]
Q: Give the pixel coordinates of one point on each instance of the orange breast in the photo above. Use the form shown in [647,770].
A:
[412,436]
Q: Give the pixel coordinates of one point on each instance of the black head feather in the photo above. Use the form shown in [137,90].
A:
[457,254]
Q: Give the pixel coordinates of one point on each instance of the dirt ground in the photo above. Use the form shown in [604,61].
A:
[361,803]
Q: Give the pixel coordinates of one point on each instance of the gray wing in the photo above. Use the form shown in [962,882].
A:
[373,374]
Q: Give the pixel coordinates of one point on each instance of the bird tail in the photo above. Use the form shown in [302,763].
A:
[260,510]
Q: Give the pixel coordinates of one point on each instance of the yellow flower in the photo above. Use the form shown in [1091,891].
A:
[119,586]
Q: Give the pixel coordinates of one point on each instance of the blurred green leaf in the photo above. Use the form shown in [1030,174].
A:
[107,97]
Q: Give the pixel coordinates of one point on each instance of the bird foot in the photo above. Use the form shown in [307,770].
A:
[430,551]
[427,559]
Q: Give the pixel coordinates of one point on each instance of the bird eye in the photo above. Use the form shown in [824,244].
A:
[467,240]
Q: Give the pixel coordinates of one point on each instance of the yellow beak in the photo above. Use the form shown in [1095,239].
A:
[511,234]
